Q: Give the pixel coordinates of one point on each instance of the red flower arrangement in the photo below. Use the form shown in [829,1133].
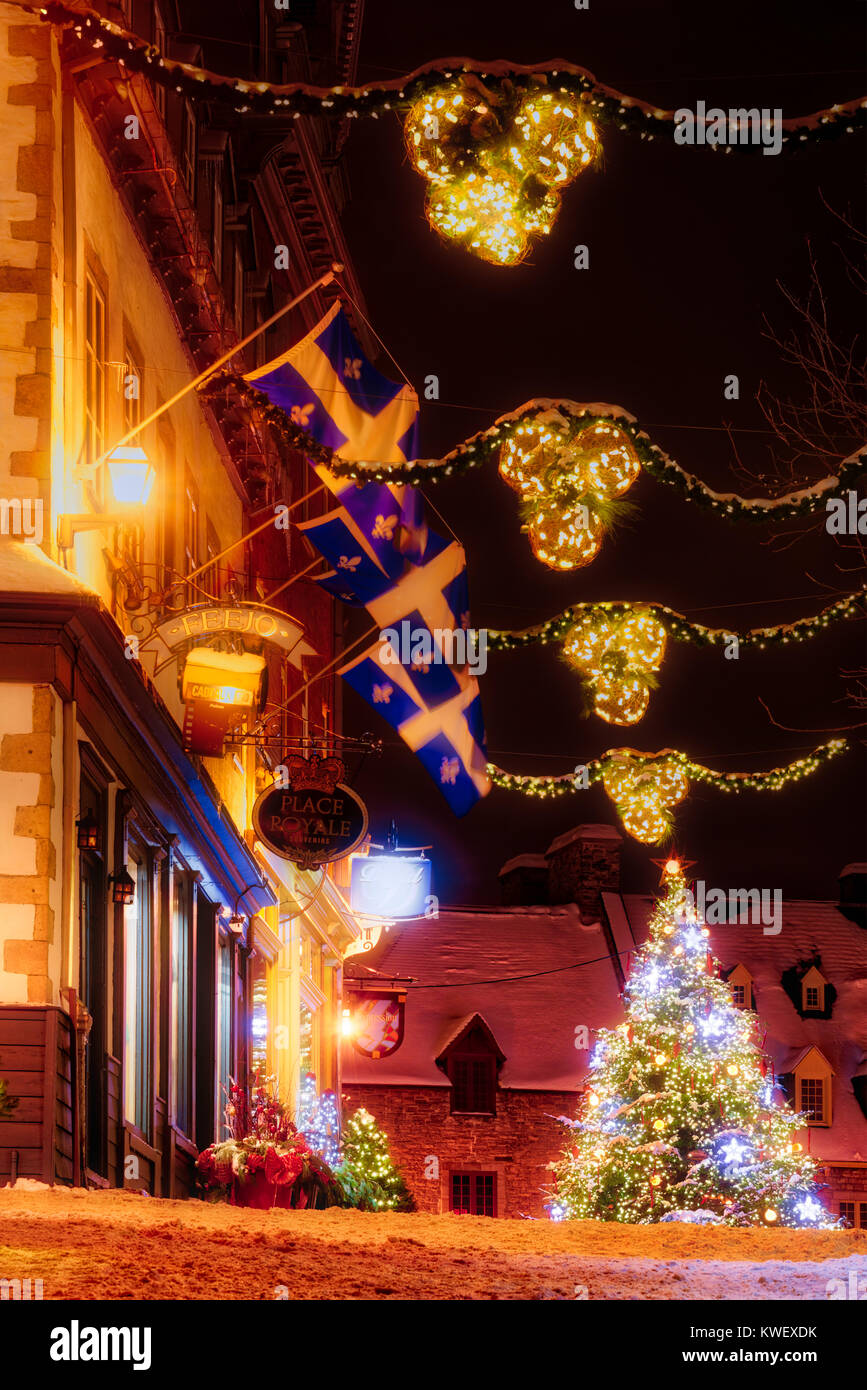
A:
[266,1161]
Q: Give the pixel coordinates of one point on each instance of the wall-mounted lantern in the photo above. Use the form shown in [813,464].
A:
[122,888]
[87,832]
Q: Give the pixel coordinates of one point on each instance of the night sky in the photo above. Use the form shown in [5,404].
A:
[686,247]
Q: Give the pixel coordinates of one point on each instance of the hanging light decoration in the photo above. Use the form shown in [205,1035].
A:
[495,159]
[617,655]
[645,794]
[569,486]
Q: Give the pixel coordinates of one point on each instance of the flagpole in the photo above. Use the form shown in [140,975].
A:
[324,672]
[323,280]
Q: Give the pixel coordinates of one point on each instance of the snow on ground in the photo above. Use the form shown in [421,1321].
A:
[114,1245]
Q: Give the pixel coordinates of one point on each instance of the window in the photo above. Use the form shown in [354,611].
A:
[92,981]
[211,577]
[191,530]
[813,991]
[182,1001]
[862,1212]
[94,369]
[138,997]
[473,1085]
[188,149]
[813,1098]
[306,1047]
[224,1026]
[238,287]
[474,1194]
[132,537]
[739,996]
[259,1017]
[159,43]
[847,1211]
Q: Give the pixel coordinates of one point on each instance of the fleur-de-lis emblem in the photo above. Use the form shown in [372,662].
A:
[300,414]
[382,694]
[383,528]
[352,367]
[345,563]
[449,769]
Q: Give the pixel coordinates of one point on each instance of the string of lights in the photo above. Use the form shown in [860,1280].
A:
[601,102]
[617,648]
[645,787]
[532,428]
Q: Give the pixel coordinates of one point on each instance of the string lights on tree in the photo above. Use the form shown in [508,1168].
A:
[680,1119]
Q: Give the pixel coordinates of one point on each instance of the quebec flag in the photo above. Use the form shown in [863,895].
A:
[435,707]
[328,388]
[382,554]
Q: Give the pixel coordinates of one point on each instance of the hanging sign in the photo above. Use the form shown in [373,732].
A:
[390,885]
[315,818]
[378,1020]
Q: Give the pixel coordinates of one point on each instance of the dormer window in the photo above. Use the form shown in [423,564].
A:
[811,1086]
[740,982]
[813,992]
[471,1060]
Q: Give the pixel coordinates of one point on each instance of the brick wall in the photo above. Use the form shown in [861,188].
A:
[582,865]
[27,853]
[517,1143]
[28,259]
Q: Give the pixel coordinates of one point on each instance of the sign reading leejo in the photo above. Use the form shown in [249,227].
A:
[315,818]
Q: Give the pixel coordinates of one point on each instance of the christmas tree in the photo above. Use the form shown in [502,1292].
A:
[367,1173]
[319,1120]
[681,1119]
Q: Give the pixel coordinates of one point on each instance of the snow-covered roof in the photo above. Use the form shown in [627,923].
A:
[25,569]
[524,861]
[534,974]
[807,929]
[584,832]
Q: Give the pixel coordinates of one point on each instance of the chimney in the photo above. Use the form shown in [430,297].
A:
[853,894]
[524,881]
[583,864]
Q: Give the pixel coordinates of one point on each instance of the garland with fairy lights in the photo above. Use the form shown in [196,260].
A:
[645,787]
[617,647]
[681,1118]
[292,99]
[510,437]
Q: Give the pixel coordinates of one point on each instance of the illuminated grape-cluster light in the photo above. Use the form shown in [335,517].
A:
[568,484]
[645,793]
[647,801]
[495,161]
[678,1120]
[617,657]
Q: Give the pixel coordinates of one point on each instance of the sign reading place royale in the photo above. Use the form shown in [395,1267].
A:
[315,818]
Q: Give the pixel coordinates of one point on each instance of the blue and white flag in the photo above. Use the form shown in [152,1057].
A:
[382,553]
[328,388]
[435,706]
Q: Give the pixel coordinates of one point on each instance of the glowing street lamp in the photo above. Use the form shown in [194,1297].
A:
[132,476]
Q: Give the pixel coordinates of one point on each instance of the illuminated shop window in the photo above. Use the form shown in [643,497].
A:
[259,1018]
